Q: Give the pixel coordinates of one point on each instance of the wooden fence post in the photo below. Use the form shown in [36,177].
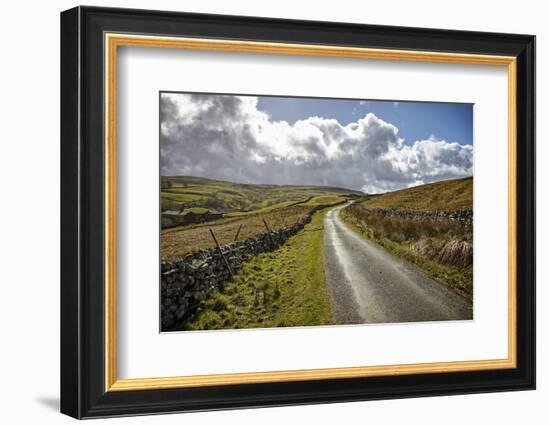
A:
[238,233]
[221,252]
[268,232]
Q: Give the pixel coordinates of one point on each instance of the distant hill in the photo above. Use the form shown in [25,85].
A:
[444,195]
[183,192]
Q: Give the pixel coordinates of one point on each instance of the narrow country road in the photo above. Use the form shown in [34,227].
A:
[369,285]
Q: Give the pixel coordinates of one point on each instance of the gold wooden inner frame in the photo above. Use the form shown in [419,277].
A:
[113,41]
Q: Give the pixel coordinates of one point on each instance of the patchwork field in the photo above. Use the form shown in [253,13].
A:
[179,192]
[242,210]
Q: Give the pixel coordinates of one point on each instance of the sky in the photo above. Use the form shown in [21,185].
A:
[369,145]
[415,120]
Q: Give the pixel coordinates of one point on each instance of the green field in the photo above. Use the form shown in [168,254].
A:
[180,197]
[183,192]
[281,288]
[260,210]
[198,210]
[325,200]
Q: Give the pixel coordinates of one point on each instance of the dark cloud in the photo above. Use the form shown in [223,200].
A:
[228,138]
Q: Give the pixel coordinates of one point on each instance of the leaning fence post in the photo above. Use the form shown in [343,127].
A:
[268,232]
[221,253]
[238,233]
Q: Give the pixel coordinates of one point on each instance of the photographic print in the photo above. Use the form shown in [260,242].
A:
[297,211]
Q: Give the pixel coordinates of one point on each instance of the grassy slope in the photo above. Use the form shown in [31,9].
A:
[325,200]
[236,198]
[270,208]
[401,236]
[281,288]
[445,195]
[459,279]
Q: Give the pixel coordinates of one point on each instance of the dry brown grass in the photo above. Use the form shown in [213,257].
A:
[402,229]
[181,241]
[442,248]
[445,195]
[456,252]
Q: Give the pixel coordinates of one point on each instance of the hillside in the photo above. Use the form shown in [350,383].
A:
[408,223]
[186,192]
[232,211]
[444,195]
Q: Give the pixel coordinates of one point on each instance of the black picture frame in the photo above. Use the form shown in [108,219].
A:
[83,392]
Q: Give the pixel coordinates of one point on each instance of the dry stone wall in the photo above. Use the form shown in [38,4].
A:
[187,282]
[464,215]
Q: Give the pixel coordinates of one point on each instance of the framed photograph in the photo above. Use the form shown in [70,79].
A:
[261,212]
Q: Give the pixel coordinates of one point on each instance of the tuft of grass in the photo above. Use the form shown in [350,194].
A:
[276,289]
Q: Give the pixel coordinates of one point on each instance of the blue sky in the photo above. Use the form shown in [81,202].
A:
[452,122]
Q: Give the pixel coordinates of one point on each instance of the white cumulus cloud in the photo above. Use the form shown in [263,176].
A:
[228,138]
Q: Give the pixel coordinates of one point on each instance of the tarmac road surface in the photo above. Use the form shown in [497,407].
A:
[370,285]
